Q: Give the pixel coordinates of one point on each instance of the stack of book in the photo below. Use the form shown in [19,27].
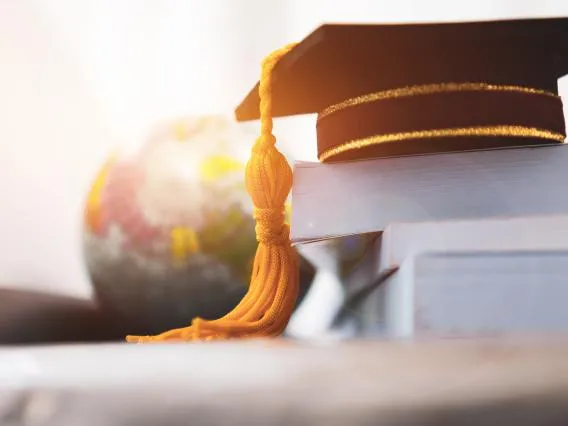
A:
[470,242]
[446,140]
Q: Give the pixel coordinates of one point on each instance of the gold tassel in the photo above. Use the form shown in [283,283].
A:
[266,308]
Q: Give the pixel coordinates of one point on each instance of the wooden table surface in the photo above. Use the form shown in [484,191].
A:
[513,381]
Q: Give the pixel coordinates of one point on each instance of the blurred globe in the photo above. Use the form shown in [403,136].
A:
[168,228]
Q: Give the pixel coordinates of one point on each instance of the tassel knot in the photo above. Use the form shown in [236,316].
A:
[264,143]
[270,227]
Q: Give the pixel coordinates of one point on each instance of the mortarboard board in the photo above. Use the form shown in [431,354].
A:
[383,90]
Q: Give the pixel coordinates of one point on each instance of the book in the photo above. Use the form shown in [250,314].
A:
[400,241]
[331,200]
[465,294]
[31,318]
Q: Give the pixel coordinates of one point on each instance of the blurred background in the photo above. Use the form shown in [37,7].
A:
[80,77]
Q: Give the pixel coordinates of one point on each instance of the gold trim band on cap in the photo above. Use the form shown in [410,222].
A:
[510,131]
[429,89]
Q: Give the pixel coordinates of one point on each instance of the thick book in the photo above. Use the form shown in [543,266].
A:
[474,294]
[402,242]
[356,197]
[32,318]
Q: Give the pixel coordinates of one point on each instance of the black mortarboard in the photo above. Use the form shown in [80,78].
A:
[383,90]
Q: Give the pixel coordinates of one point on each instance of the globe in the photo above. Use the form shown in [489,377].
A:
[168,227]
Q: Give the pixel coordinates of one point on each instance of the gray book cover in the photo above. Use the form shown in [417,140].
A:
[331,200]
[475,294]
[525,233]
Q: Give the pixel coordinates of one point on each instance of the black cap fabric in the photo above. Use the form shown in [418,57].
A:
[383,90]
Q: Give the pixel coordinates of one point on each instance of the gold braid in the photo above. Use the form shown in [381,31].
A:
[266,308]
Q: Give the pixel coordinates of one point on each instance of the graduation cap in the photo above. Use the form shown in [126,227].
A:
[383,90]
